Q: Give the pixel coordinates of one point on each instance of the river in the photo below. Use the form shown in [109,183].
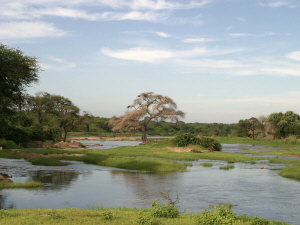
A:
[252,190]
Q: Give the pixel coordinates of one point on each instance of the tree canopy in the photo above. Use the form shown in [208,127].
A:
[146,107]
[17,72]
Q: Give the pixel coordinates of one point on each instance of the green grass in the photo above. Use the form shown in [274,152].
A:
[28,184]
[205,164]
[227,167]
[111,216]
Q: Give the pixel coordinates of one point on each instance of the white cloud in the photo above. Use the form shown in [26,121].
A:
[58,64]
[239,34]
[28,30]
[276,4]
[159,55]
[139,54]
[196,40]
[162,34]
[294,55]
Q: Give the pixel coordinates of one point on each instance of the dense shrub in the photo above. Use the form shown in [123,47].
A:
[191,139]
[164,211]
[210,143]
[185,140]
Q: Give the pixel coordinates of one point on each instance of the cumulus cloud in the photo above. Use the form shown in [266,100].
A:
[28,30]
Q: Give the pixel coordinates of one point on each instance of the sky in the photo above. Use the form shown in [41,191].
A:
[219,60]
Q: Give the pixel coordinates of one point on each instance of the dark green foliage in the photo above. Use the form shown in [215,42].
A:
[185,140]
[210,143]
[191,139]
[17,72]
[19,135]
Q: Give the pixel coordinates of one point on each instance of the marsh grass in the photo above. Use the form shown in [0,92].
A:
[28,184]
[292,171]
[227,167]
[110,216]
[206,164]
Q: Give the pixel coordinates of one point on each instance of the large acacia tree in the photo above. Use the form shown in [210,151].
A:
[146,107]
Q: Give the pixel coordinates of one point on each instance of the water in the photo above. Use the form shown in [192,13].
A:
[252,190]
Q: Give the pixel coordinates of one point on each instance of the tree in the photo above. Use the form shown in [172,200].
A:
[148,106]
[285,123]
[254,125]
[42,104]
[242,128]
[17,72]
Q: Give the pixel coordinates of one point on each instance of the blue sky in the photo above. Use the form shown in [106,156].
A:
[219,60]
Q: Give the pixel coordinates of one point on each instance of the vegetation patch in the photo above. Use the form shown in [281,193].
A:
[206,164]
[28,184]
[227,167]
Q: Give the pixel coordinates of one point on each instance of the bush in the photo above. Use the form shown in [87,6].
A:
[185,140]
[3,143]
[191,139]
[164,211]
[210,143]
[221,214]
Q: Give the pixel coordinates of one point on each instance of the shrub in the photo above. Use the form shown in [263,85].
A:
[210,143]
[164,211]
[107,215]
[221,214]
[185,140]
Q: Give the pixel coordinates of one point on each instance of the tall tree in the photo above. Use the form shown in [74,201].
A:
[17,72]
[148,106]
[254,125]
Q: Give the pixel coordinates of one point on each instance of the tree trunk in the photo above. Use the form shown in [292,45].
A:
[144,136]
[65,136]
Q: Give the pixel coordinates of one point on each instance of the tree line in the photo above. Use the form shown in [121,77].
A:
[275,126]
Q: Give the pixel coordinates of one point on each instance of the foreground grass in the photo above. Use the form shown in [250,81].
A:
[28,184]
[99,215]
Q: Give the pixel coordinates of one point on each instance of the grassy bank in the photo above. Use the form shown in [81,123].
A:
[28,184]
[116,216]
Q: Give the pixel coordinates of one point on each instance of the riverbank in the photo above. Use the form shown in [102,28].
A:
[116,216]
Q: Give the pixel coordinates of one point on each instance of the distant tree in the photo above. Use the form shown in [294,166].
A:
[17,72]
[69,117]
[148,106]
[254,125]
[286,123]
[87,119]
[242,128]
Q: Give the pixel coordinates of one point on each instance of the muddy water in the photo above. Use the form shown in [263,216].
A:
[252,190]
